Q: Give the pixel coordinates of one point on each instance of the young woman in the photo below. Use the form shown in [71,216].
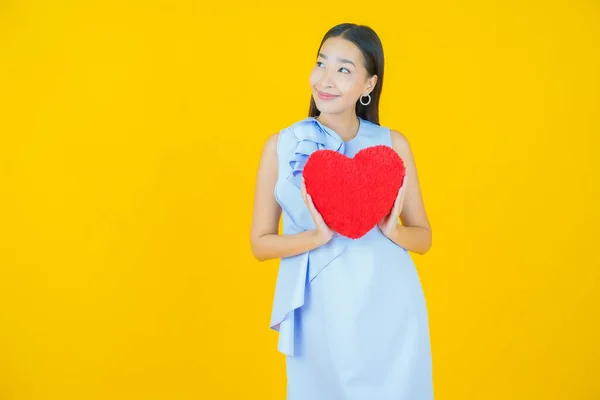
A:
[351,314]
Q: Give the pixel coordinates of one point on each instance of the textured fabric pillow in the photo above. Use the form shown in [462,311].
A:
[354,194]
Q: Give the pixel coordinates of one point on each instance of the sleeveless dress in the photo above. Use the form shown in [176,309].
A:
[351,314]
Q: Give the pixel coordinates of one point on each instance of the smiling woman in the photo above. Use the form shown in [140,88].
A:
[351,314]
[353,61]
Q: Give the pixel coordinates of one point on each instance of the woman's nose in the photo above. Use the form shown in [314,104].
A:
[326,81]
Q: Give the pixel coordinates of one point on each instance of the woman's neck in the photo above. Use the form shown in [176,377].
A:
[345,125]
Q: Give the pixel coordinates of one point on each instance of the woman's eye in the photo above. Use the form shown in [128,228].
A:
[319,63]
[341,69]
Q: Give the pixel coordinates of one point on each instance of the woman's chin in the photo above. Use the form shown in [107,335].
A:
[327,108]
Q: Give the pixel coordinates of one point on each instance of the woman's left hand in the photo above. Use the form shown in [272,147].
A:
[389,223]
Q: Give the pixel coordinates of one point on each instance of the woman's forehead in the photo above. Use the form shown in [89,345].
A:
[340,48]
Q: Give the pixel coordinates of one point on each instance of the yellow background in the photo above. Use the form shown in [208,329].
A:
[130,137]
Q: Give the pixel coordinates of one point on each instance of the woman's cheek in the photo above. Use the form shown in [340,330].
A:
[345,85]
[355,88]
[314,76]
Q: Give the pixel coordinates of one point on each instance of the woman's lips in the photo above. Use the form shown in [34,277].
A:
[327,96]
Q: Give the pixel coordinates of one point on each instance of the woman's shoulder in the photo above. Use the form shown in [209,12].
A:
[298,125]
[399,139]
[274,137]
[271,142]
[296,131]
[400,143]
[287,133]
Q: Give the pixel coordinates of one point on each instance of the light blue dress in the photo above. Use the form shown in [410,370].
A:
[351,314]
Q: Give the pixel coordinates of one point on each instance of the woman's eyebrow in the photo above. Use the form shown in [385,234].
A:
[342,60]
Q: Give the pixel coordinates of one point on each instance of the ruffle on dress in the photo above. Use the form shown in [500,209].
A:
[296,272]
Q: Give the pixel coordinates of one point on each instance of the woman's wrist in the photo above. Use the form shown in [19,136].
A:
[412,238]
[318,239]
[395,234]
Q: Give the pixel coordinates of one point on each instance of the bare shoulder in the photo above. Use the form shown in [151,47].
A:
[270,145]
[271,142]
[400,143]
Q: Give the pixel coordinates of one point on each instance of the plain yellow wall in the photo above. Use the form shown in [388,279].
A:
[130,137]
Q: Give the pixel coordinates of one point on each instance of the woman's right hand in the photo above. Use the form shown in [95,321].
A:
[323,233]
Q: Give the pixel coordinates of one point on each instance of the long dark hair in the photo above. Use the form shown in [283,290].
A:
[369,44]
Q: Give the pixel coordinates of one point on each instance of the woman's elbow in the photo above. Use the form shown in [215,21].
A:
[428,242]
[258,254]
[259,257]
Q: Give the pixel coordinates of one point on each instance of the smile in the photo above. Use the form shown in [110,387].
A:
[327,96]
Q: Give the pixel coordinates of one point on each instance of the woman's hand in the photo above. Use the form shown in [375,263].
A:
[323,233]
[389,223]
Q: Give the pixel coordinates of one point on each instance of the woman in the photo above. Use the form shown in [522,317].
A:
[351,314]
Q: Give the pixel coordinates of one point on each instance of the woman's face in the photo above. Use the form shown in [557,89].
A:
[339,76]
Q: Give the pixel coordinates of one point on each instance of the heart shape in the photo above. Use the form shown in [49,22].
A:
[354,194]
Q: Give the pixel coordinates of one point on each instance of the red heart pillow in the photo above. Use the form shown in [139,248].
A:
[354,194]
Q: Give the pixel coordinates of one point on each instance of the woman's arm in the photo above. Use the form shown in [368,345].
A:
[414,234]
[265,241]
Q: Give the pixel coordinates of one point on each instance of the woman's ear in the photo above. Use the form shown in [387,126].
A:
[371,82]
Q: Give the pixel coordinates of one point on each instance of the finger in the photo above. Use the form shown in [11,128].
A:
[395,205]
[311,204]
[394,213]
[404,183]
[313,209]
[397,202]
[303,190]
[402,190]
[398,198]
[401,205]
[403,186]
